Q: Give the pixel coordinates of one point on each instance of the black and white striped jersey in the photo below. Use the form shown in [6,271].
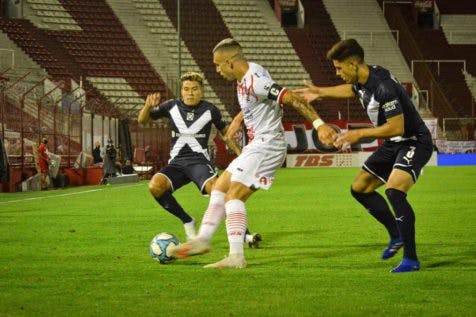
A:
[384,97]
[190,128]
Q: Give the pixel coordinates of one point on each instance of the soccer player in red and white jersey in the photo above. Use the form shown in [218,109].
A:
[261,101]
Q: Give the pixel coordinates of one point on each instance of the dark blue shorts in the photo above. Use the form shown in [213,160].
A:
[409,156]
[182,174]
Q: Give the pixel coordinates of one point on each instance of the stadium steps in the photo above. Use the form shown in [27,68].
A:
[105,49]
[160,27]
[460,33]
[32,73]
[200,42]
[150,43]
[264,41]
[449,76]
[49,15]
[471,83]
[46,49]
[311,44]
[459,28]
[380,46]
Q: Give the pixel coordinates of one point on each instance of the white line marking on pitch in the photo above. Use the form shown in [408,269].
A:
[60,195]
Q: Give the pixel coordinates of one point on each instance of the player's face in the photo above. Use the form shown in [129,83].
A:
[347,70]
[191,92]
[223,65]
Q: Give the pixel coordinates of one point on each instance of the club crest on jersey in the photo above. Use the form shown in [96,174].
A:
[190,116]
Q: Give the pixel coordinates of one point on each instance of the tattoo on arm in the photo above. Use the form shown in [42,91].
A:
[298,103]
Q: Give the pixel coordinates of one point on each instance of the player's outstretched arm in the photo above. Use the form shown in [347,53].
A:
[151,101]
[228,133]
[312,93]
[393,127]
[326,133]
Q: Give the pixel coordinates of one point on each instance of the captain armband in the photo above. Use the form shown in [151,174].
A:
[276,92]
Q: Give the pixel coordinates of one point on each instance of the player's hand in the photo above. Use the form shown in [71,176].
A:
[310,92]
[152,100]
[327,134]
[348,138]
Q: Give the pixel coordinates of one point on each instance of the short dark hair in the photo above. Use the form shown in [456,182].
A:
[345,49]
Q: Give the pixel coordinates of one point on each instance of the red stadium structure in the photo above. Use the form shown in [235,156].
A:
[78,72]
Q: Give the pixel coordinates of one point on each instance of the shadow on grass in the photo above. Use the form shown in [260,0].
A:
[441,263]
[464,263]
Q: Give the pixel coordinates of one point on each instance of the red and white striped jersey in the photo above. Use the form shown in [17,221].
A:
[260,101]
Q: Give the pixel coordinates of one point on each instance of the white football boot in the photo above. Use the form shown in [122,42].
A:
[233,261]
[191,248]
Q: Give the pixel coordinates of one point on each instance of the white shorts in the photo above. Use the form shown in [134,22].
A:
[258,162]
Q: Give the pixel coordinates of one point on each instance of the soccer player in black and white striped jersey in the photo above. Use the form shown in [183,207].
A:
[191,120]
[398,161]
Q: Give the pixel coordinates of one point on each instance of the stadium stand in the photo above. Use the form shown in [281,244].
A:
[255,26]
[264,41]
[374,34]
[104,49]
[311,44]
[200,42]
[118,51]
[443,74]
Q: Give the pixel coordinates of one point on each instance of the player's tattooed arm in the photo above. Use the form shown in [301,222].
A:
[326,133]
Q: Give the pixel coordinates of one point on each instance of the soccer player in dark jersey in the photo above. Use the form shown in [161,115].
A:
[191,120]
[398,161]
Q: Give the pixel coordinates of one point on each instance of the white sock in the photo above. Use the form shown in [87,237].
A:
[190,229]
[236,223]
[213,216]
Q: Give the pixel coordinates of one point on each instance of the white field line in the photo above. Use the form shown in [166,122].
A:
[62,195]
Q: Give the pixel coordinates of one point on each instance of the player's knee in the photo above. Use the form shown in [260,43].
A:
[359,195]
[157,186]
[209,185]
[154,189]
[395,195]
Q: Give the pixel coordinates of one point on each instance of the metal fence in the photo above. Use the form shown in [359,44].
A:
[32,108]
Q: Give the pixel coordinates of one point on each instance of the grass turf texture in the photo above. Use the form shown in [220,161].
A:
[84,252]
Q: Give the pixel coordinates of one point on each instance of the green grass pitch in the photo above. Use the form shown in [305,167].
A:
[84,252]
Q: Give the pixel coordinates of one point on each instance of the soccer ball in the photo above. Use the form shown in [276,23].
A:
[161,247]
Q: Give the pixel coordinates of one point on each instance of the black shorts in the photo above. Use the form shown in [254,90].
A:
[409,156]
[182,174]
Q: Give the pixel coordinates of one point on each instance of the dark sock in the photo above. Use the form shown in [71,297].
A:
[379,209]
[168,202]
[405,218]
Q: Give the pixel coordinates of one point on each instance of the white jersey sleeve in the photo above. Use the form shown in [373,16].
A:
[266,88]
[260,100]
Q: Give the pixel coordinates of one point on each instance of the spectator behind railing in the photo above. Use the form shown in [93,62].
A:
[97,154]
